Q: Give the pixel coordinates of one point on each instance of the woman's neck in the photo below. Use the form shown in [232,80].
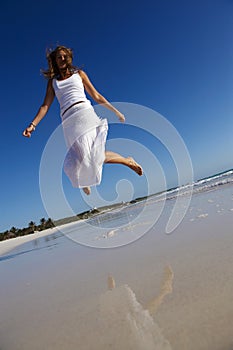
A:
[65,73]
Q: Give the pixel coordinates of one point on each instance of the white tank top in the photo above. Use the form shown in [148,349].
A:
[69,91]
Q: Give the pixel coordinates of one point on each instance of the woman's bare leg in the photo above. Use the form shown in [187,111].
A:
[112,157]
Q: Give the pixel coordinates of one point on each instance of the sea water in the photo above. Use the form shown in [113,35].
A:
[130,222]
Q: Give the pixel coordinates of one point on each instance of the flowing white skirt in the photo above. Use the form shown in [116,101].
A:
[85,135]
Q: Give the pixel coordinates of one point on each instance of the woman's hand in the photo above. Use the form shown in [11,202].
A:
[27,132]
[120,116]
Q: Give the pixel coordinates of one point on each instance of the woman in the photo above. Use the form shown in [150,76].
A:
[85,133]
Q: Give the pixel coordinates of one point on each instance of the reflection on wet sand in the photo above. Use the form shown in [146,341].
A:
[166,288]
[121,322]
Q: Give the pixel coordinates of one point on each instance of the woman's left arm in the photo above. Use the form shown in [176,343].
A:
[91,90]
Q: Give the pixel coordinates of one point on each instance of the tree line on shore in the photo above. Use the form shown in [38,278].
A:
[44,224]
[32,228]
[49,223]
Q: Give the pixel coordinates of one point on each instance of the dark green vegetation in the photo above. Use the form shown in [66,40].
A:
[32,227]
[49,223]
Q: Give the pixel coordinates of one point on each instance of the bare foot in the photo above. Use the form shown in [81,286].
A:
[135,166]
[87,190]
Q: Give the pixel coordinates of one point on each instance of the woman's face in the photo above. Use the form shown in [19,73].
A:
[61,59]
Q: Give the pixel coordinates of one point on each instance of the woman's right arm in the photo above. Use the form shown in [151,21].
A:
[49,97]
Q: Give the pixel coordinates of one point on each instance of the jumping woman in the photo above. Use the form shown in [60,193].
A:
[85,133]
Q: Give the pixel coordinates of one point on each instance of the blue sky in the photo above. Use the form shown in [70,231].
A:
[175,57]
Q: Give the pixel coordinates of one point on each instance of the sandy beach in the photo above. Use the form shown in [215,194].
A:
[10,244]
[163,291]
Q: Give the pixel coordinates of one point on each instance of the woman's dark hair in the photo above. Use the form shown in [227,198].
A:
[51,55]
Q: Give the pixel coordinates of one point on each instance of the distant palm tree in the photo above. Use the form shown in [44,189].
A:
[49,223]
[42,223]
[32,225]
[13,229]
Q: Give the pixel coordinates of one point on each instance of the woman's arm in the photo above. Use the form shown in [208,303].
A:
[91,90]
[49,97]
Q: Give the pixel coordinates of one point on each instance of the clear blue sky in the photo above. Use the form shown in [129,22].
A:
[175,57]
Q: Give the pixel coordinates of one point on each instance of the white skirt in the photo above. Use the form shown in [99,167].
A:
[85,135]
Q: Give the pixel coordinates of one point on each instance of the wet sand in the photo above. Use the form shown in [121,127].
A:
[160,292]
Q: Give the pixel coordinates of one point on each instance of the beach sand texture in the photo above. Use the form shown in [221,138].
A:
[161,292]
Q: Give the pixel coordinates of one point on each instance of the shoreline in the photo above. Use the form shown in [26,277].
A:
[9,244]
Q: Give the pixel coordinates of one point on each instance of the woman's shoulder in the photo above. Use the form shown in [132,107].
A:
[51,81]
[83,75]
[80,72]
